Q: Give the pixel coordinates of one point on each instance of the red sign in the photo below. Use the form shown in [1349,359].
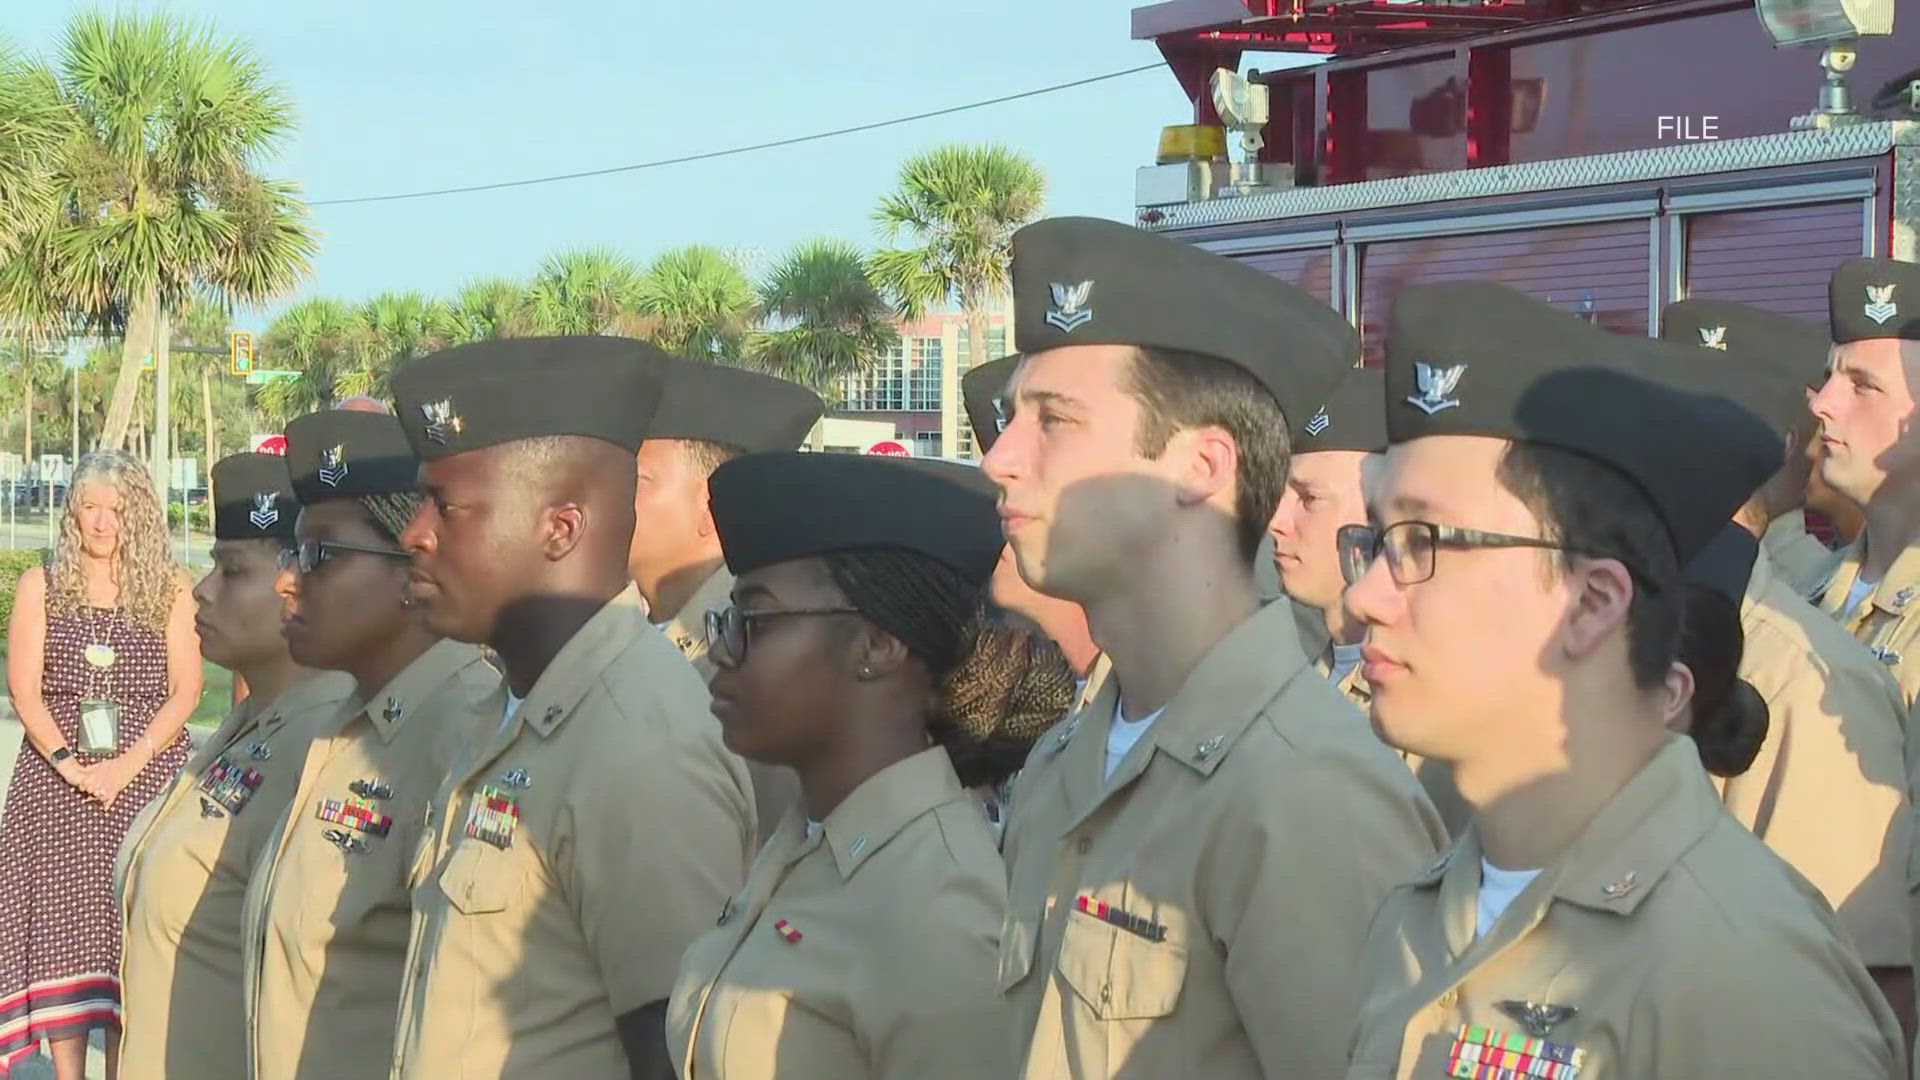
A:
[271,444]
[889,448]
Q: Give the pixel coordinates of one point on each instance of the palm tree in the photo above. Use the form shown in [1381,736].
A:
[34,125]
[393,329]
[827,318]
[489,308]
[962,204]
[585,291]
[319,338]
[161,194]
[204,324]
[698,303]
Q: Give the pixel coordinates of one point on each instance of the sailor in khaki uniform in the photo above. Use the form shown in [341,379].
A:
[708,414]
[1873,457]
[184,865]
[858,650]
[571,861]
[1603,916]
[1825,792]
[1175,910]
[328,911]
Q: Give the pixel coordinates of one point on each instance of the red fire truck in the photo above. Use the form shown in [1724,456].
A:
[1612,156]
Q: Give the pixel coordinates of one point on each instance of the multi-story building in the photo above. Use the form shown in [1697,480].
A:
[916,385]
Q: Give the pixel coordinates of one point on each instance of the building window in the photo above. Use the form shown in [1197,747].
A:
[926,444]
[996,345]
[963,441]
[923,375]
[882,387]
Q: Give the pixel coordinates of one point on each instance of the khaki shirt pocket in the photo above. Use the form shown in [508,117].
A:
[1119,974]
[480,879]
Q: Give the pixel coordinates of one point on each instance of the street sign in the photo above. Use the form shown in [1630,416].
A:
[889,448]
[270,444]
[147,363]
[11,470]
[257,377]
[240,352]
[185,473]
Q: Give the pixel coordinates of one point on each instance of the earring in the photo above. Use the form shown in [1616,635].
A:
[866,672]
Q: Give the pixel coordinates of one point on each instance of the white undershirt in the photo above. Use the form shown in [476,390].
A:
[813,828]
[513,707]
[1345,659]
[1124,733]
[1497,891]
[1861,589]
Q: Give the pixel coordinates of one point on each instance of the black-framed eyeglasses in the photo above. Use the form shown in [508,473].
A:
[727,629]
[1410,546]
[309,554]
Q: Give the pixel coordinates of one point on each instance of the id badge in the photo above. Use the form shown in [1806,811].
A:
[99,728]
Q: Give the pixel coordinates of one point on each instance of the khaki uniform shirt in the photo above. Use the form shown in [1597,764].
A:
[866,950]
[571,863]
[1887,621]
[1198,915]
[185,867]
[776,788]
[1799,558]
[329,910]
[1665,942]
[1824,792]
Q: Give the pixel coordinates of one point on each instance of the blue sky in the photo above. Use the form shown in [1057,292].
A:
[411,94]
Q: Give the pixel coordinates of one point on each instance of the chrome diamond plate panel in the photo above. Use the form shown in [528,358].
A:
[1906,203]
[1660,163]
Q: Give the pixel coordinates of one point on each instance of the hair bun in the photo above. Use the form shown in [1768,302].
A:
[1730,737]
[1010,687]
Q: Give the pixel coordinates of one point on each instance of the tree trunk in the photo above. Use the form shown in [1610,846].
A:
[209,439]
[162,404]
[973,306]
[126,384]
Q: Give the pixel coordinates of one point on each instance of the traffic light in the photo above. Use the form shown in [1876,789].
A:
[241,342]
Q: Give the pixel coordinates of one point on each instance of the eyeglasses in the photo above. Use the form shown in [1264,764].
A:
[1410,546]
[727,635]
[311,553]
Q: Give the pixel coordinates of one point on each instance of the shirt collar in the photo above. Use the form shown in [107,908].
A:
[318,689]
[417,682]
[582,660]
[1233,682]
[887,802]
[688,629]
[1758,582]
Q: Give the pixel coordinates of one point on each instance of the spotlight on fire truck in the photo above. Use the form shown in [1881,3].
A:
[1837,26]
[1242,105]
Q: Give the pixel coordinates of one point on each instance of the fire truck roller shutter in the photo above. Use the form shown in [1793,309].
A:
[1778,258]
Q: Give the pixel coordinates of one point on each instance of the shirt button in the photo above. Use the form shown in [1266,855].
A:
[1085,844]
[1106,993]
[1449,999]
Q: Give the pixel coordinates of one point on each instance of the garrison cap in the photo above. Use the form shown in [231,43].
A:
[1775,358]
[984,390]
[1354,418]
[486,393]
[253,498]
[1085,281]
[347,453]
[1874,298]
[771,508]
[732,406]
[1474,358]
[1725,564]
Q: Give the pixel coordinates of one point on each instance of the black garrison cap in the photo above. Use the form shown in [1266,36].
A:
[1085,281]
[1354,418]
[253,498]
[474,396]
[984,389]
[1474,358]
[347,453]
[1874,298]
[1725,564]
[733,406]
[771,508]
[1775,358]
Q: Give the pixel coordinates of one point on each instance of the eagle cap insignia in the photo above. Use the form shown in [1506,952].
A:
[441,420]
[1880,306]
[1714,337]
[1000,416]
[1320,422]
[1069,312]
[333,465]
[1538,1019]
[264,512]
[1436,386]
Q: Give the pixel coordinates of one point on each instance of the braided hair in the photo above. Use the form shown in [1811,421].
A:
[390,512]
[997,688]
[1730,718]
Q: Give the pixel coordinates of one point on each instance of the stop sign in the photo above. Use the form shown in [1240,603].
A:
[271,444]
[889,448]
